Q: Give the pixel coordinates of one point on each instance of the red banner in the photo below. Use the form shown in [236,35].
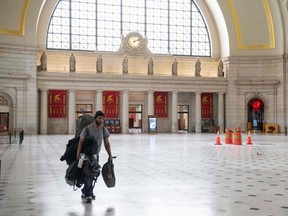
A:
[57,103]
[207,105]
[161,104]
[111,103]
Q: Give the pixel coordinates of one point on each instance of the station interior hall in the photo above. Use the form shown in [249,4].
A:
[194,94]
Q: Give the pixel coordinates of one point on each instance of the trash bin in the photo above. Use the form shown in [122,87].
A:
[237,136]
[228,136]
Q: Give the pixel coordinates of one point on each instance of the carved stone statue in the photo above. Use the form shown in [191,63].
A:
[198,68]
[220,69]
[125,65]
[72,63]
[43,61]
[99,65]
[174,67]
[150,66]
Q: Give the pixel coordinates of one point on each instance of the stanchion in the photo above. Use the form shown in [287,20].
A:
[249,139]
[218,142]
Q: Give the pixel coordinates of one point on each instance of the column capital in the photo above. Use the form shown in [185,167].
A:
[72,90]
[221,93]
[125,91]
[99,91]
[43,89]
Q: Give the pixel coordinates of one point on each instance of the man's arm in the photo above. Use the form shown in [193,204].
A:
[108,148]
[80,146]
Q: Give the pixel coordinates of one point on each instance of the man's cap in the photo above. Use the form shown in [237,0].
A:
[99,113]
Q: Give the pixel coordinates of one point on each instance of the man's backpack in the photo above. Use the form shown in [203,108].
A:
[71,148]
[82,122]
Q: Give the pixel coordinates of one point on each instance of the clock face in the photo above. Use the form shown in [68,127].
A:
[134,41]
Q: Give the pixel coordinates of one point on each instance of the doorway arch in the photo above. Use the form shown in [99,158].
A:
[4,113]
[256,115]
[7,110]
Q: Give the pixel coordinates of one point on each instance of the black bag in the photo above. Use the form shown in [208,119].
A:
[71,151]
[108,174]
[90,147]
[74,174]
[91,168]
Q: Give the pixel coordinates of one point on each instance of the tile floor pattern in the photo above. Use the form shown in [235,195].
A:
[157,175]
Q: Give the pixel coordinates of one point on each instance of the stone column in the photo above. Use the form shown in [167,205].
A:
[99,102]
[14,114]
[198,112]
[21,108]
[71,111]
[174,110]
[150,103]
[192,114]
[125,111]
[44,111]
[221,111]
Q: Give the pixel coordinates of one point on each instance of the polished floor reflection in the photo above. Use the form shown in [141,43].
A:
[157,175]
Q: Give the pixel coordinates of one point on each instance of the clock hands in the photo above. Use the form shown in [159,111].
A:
[134,41]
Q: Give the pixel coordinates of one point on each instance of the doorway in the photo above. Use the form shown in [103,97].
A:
[4,122]
[255,115]
[135,118]
[183,116]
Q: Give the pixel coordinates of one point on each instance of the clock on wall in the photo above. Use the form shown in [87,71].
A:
[134,44]
[134,41]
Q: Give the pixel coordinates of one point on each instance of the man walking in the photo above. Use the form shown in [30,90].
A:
[96,132]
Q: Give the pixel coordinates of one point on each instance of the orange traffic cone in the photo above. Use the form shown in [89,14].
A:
[218,139]
[249,140]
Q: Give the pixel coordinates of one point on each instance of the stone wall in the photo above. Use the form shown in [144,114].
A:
[18,83]
[255,77]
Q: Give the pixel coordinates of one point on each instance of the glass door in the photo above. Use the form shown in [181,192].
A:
[183,117]
[4,122]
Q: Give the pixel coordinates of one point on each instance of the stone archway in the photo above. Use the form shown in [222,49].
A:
[6,111]
[256,114]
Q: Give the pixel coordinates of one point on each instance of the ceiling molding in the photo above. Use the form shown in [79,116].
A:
[241,45]
[22,22]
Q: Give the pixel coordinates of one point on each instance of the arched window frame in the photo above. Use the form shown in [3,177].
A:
[89,25]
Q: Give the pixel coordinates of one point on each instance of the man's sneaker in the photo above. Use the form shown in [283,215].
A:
[83,196]
[89,199]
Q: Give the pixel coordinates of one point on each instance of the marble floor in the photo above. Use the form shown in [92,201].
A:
[156,175]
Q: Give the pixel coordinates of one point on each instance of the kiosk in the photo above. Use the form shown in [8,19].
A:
[152,124]
[113,125]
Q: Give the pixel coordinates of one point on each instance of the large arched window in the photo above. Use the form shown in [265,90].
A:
[174,26]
